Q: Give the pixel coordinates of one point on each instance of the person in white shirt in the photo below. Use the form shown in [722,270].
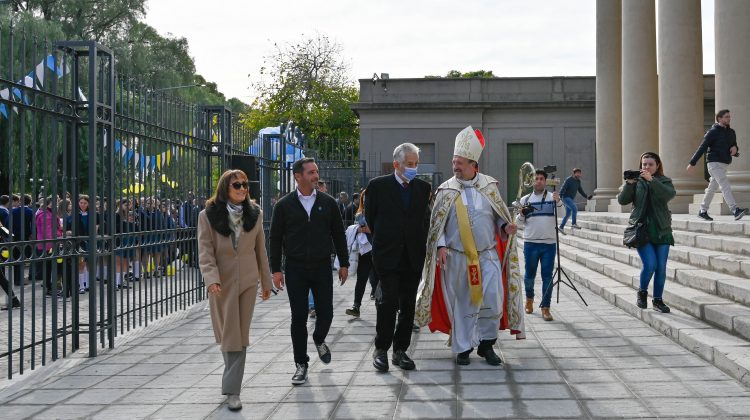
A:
[539,245]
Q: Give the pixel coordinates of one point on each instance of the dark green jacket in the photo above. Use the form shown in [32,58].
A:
[657,215]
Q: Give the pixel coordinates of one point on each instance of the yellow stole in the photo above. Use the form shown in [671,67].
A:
[470,249]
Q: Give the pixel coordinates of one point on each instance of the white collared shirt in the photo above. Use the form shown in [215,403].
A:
[308,201]
[399,179]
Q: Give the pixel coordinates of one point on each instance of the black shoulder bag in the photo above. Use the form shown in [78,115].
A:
[636,234]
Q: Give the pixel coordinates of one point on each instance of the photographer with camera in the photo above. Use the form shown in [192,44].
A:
[650,192]
[719,144]
[537,215]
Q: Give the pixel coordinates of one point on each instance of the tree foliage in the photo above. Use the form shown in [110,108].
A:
[308,82]
[456,74]
[156,60]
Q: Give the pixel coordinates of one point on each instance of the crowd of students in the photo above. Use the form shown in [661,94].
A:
[145,228]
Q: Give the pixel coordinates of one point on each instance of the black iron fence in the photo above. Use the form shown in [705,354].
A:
[110,176]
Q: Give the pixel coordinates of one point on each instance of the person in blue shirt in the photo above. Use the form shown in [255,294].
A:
[571,186]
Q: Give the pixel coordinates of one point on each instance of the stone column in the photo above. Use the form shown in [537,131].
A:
[640,101]
[608,103]
[732,31]
[680,96]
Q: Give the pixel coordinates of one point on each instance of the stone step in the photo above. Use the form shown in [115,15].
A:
[729,244]
[724,313]
[724,225]
[717,261]
[730,287]
[728,352]
[718,206]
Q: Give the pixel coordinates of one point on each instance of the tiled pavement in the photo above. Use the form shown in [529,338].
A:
[591,362]
[142,302]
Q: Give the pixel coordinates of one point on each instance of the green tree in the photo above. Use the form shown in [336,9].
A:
[308,82]
[158,61]
[86,19]
[456,74]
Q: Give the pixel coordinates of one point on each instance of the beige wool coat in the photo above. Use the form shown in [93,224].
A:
[238,272]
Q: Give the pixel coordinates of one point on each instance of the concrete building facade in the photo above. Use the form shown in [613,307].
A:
[547,121]
[650,94]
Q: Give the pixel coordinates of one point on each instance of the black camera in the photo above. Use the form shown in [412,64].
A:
[550,169]
[527,210]
[631,174]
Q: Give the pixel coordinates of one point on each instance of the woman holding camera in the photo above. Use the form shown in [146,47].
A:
[650,194]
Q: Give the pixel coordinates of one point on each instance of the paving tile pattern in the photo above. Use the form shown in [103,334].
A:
[593,361]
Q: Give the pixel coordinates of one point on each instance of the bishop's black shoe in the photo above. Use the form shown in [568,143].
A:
[462,358]
[485,350]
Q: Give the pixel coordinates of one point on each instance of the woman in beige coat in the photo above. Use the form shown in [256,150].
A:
[233,261]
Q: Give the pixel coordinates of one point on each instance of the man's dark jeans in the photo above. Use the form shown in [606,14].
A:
[300,280]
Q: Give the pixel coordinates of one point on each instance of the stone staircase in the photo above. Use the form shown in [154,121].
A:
[708,281]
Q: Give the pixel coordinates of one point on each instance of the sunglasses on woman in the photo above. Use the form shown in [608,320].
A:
[240,185]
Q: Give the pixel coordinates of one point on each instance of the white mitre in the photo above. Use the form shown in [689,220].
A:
[469,144]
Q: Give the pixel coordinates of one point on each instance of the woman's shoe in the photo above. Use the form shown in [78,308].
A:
[641,302]
[660,306]
[234,403]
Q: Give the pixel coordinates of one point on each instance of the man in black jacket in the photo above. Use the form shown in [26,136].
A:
[303,225]
[719,144]
[397,211]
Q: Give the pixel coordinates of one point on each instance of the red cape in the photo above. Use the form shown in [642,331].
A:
[440,319]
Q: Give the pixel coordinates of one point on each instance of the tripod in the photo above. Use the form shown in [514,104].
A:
[559,271]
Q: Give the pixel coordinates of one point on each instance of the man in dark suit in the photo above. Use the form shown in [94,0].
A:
[397,211]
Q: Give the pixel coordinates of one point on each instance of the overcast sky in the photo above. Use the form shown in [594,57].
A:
[405,38]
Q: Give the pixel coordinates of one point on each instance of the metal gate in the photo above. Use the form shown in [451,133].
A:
[110,176]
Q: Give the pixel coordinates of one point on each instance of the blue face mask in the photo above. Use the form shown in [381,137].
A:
[410,173]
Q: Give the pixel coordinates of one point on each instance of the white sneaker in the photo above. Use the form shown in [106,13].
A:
[233,402]
[575,226]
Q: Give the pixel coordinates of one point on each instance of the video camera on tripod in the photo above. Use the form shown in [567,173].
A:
[526,175]
[526,181]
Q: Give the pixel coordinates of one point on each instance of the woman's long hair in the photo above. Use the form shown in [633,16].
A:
[361,208]
[221,195]
[654,156]
[123,213]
